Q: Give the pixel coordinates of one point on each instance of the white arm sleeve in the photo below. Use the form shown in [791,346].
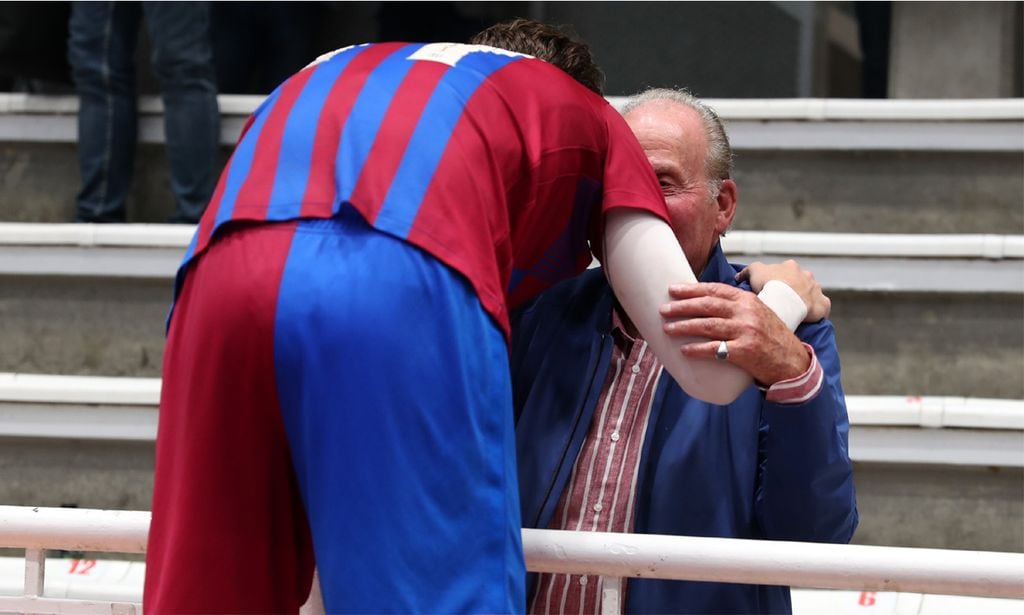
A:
[642,258]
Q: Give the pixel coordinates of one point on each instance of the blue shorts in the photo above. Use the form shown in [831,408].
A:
[325,379]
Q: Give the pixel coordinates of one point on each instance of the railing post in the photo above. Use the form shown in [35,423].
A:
[611,595]
[35,572]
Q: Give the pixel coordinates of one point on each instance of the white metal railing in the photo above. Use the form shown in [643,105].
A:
[933,571]
[39,529]
[765,562]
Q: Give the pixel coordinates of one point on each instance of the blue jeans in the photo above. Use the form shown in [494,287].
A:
[101,49]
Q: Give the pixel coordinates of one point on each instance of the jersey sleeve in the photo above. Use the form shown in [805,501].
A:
[629,180]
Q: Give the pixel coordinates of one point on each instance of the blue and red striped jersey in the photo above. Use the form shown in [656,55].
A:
[493,162]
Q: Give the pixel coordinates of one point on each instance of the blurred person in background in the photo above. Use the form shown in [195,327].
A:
[101,49]
[607,441]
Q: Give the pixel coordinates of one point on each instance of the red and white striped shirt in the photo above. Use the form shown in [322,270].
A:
[601,490]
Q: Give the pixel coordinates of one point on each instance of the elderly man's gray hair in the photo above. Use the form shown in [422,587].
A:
[719,157]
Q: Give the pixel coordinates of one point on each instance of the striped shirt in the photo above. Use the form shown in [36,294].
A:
[600,493]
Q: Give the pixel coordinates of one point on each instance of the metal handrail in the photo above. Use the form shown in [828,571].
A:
[764,562]
[935,571]
[73,529]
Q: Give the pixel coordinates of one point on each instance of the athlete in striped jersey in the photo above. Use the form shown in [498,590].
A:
[336,378]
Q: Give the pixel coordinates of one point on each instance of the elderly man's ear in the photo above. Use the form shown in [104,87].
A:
[727,197]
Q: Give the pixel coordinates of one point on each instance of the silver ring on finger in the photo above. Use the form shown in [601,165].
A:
[722,354]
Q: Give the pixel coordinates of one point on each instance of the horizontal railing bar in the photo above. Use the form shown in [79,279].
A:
[891,569]
[72,529]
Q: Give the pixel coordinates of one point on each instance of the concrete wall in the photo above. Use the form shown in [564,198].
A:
[881,192]
[889,343]
[82,474]
[891,192]
[930,344]
[83,326]
[39,182]
[720,49]
[941,507]
[956,50]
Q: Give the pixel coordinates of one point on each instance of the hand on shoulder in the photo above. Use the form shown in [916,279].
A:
[802,281]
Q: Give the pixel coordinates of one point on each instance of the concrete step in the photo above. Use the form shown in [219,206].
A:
[943,472]
[908,166]
[92,299]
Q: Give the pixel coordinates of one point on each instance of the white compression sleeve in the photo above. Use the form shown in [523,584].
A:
[785,302]
[642,258]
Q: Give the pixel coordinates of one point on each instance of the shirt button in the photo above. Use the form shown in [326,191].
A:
[598,507]
[636,369]
[583,580]
[615,436]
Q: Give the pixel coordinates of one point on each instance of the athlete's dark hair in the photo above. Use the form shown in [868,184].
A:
[547,43]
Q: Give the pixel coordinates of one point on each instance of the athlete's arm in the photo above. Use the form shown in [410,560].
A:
[642,257]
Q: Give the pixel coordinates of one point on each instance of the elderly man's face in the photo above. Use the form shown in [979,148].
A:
[673,138]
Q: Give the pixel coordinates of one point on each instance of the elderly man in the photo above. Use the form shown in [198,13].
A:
[608,442]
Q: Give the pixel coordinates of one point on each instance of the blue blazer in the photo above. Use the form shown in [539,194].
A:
[751,469]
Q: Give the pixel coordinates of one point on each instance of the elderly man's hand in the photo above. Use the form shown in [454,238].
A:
[800,280]
[758,341]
